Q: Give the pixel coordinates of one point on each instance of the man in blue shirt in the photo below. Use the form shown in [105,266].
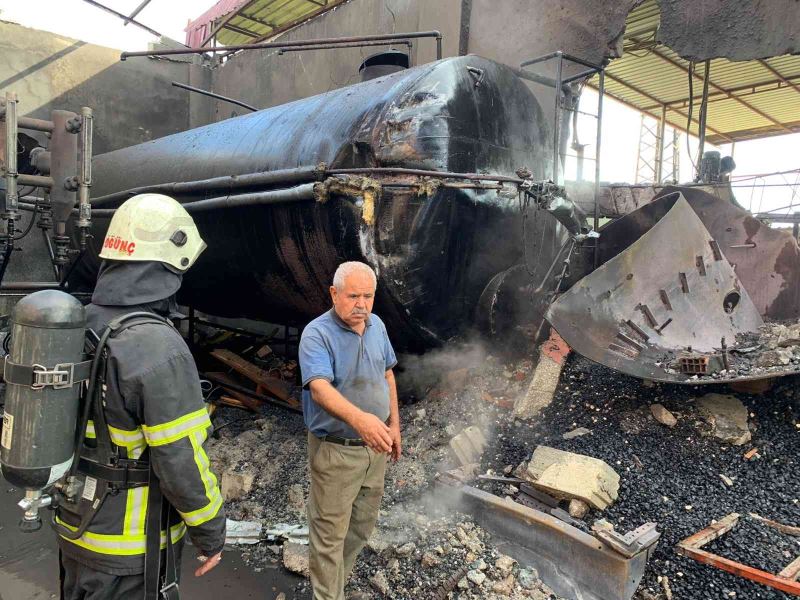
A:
[351,411]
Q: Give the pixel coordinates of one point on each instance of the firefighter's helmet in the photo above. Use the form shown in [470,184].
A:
[153,227]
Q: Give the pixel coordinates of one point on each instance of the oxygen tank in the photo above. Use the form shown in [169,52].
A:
[42,389]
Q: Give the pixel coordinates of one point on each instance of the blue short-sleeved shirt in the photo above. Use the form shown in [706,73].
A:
[355,365]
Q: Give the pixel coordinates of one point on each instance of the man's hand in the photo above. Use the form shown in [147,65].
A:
[208,564]
[374,432]
[397,447]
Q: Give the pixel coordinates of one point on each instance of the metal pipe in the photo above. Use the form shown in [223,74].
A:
[227,182]
[52,253]
[85,177]
[11,160]
[351,45]
[560,54]
[598,145]
[35,124]
[703,115]
[291,44]
[557,118]
[36,180]
[294,194]
[213,95]
[136,11]
[581,75]
[30,285]
[662,122]
[534,77]
[424,173]
[125,18]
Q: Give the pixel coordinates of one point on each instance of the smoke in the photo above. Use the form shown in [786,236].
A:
[417,375]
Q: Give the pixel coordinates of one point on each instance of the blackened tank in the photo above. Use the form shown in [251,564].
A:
[434,254]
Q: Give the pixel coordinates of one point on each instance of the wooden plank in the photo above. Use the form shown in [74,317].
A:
[712,532]
[774,581]
[277,387]
[787,529]
[792,570]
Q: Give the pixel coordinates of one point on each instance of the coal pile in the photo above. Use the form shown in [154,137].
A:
[672,475]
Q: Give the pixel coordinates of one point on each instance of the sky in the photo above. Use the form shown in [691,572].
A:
[621,124]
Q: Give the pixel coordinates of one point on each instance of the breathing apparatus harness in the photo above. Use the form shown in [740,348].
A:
[106,473]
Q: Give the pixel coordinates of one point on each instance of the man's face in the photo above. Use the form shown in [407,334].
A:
[354,302]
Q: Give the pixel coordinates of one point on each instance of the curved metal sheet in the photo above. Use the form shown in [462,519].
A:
[664,294]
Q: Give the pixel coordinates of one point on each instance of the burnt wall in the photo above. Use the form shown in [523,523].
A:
[731,29]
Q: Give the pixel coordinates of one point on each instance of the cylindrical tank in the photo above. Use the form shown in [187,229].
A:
[434,254]
[47,329]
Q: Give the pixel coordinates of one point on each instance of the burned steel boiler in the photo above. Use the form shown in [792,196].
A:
[436,243]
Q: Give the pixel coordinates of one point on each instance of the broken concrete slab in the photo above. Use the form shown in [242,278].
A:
[542,388]
[236,485]
[662,415]
[295,558]
[727,416]
[468,445]
[567,475]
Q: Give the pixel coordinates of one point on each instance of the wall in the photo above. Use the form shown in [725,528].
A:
[263,78]
[133,101]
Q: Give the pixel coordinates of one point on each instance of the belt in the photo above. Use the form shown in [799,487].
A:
[335,439]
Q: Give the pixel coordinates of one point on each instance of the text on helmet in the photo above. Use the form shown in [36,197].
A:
[114,242]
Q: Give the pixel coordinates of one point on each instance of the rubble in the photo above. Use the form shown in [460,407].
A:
[661,470]
[468,445]
[578,508]
[566,475]
[662,415]
[577,432]
[542,387]
[295,558]
[727,417]
[236,485]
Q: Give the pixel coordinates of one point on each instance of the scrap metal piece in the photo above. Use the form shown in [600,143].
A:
[623,299]
[631,543]
[691,548]
[573,563]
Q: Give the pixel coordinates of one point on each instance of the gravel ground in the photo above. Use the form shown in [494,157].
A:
[757,545]
[668,475]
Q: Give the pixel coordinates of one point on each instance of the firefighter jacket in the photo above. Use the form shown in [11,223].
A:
[152,400]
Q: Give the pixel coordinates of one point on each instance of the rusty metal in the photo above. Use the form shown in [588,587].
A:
[428,246]
[362,39]
[573,563]
[691,548]
[191,88]
[593,315]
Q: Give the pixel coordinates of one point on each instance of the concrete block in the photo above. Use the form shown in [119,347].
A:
[566,475]
[727,416]
[546,375]
[468,445]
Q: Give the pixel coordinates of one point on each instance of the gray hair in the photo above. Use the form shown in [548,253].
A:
[350,268]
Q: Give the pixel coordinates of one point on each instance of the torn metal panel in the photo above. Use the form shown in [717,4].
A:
[618,316]
[766,260]
[575,564]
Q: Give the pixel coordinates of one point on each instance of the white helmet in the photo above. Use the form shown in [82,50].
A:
[153,227]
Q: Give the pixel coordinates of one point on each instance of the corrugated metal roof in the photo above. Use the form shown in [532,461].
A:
[234,22]
[747,100]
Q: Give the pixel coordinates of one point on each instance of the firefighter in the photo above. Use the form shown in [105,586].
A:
[154,412]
